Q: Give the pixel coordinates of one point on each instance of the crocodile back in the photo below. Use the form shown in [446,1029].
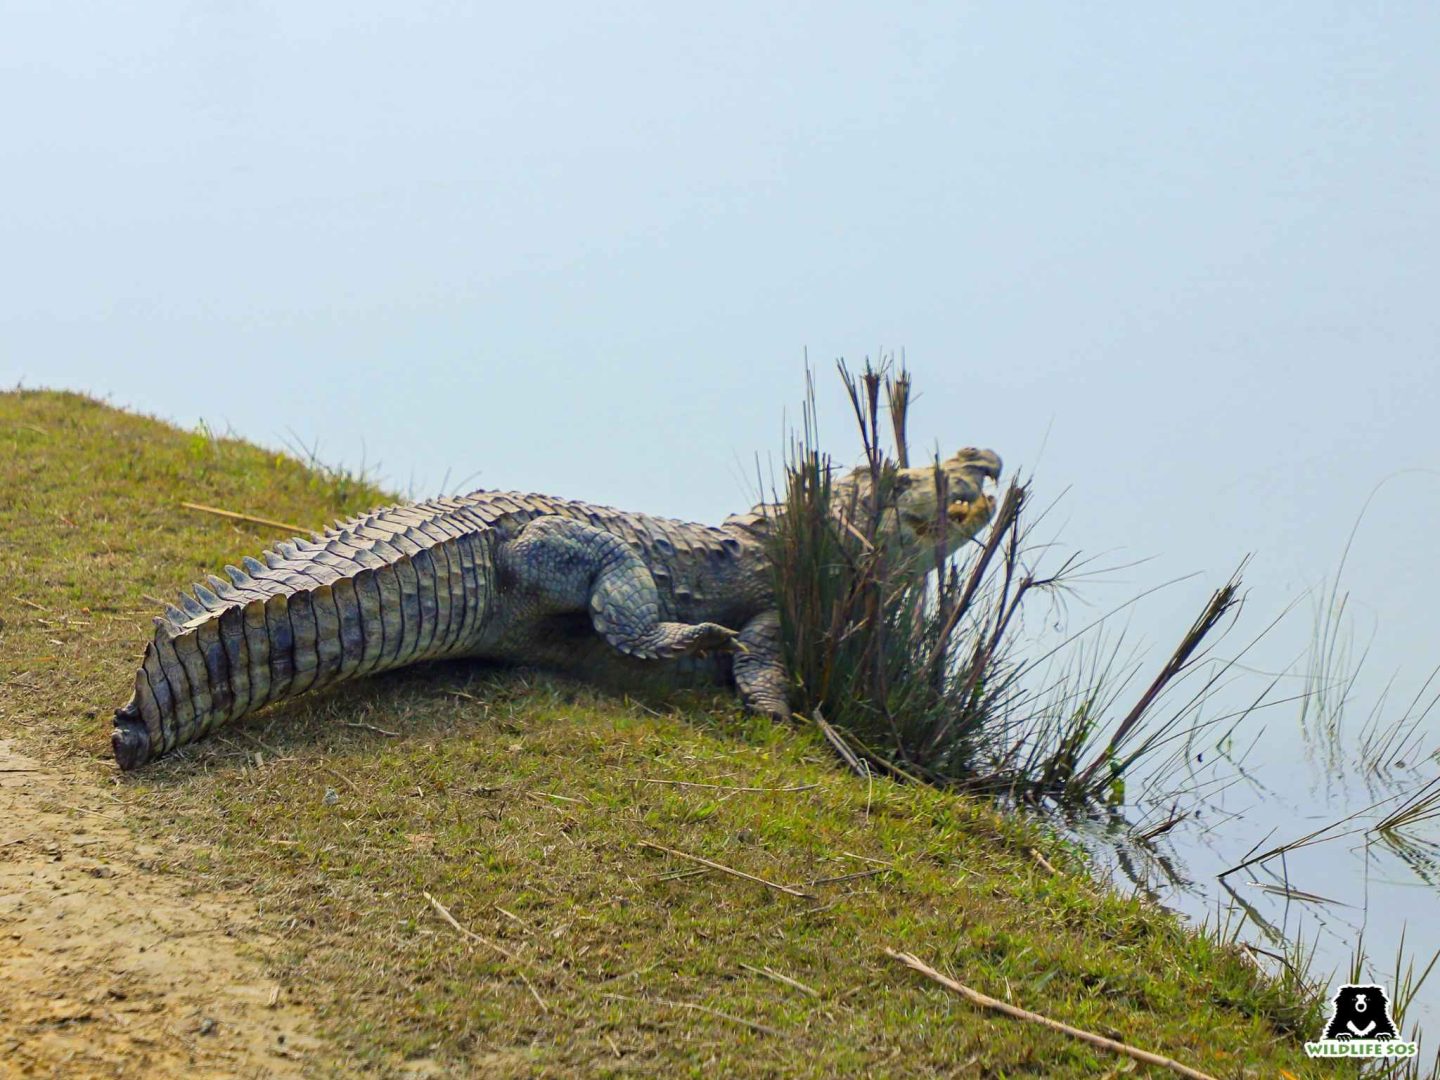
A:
[393,587]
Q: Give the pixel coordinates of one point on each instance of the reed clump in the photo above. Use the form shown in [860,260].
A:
[911,659]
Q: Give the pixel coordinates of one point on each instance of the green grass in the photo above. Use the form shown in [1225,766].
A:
[524,804]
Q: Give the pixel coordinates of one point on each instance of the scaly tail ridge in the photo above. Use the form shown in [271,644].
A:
[383,590]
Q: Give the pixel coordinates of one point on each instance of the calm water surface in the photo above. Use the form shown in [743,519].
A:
[1352,884]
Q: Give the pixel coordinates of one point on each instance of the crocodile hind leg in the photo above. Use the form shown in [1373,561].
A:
[558,564]
[760,673]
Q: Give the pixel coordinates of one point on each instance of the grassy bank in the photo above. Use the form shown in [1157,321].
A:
[537,814]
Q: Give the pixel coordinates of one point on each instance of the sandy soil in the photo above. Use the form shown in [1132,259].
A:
[110,968]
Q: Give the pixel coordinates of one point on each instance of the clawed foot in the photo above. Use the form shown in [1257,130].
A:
[776,709]
[669,641]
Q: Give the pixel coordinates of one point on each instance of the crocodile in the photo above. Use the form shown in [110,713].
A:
[505,577]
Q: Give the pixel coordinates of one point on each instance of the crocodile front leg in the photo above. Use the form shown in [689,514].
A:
[759,667]
[558,565]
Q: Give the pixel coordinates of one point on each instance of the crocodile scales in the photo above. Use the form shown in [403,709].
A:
[500,576]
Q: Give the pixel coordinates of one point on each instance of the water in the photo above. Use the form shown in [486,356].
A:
[1276,782]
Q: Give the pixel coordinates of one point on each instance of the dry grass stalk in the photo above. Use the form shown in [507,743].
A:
[751,1024]
[444,913]
[1224,599]
[372,727]
[233,516]
[1004,526]
[470,935]
[846,877]
[840,746]
[987,1002]
[335,773]
[867,858]
[1422,806]
[866,763]
[718,787]
[785,980]
[1161,829]
[727,870]
[897,396]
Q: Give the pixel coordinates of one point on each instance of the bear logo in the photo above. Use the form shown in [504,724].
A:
[1362,1011]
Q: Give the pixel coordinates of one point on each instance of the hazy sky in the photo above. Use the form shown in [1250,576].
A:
[1190,251]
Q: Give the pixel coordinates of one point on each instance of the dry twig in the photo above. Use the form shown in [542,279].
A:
[1044,863]
[987,1002]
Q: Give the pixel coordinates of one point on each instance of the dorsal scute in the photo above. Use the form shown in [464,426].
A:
[367,557]
[417,535]
[222,589]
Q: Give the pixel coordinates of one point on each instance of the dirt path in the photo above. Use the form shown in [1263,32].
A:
[108,968]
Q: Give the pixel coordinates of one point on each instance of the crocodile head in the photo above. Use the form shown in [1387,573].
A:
[917,513]
[915,504]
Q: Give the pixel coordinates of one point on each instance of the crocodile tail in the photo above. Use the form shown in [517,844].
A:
[390,588]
